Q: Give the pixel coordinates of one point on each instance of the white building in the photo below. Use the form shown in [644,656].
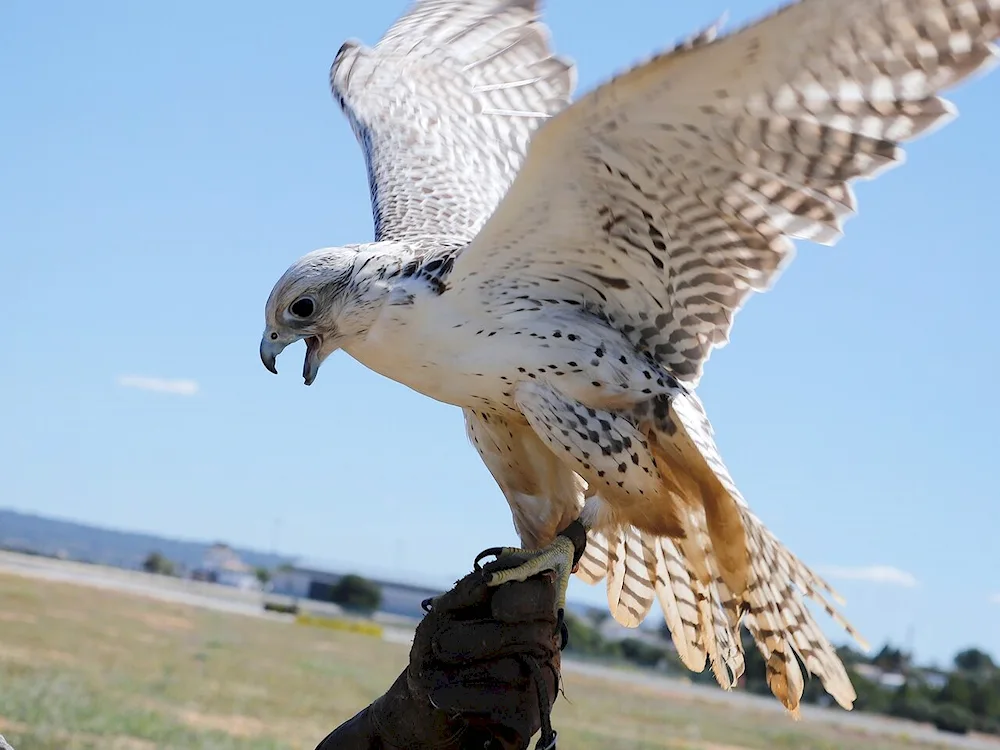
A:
[303,583]
[313,582]
[222,565]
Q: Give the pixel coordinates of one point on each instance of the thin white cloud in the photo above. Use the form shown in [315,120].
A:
[159,385]
[995,598]
[873,574]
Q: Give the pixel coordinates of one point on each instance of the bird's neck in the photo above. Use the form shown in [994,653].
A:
[376,280]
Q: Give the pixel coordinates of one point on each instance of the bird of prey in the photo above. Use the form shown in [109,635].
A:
[562,270]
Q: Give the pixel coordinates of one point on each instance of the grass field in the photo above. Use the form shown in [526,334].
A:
[82,668]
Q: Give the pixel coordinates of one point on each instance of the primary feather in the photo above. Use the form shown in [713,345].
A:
[562,272]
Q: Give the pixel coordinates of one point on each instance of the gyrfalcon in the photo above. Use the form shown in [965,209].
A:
[562,271]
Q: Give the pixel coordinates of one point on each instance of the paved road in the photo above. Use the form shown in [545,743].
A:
[250,603]
[193,593]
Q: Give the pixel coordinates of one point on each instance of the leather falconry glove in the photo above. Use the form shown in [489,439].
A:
[483,673]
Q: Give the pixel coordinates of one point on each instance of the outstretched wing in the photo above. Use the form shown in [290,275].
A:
[665,197]
[444,106]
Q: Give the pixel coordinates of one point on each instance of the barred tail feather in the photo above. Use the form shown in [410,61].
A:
[639,568]
[704,617]
[785,679]
[632,563]
[676,593]
[594,562]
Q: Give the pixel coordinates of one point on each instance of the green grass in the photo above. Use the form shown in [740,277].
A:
[82,668]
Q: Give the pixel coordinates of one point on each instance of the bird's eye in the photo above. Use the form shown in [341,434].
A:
[302,307]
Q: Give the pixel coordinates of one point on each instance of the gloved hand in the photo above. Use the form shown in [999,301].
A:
[484,667]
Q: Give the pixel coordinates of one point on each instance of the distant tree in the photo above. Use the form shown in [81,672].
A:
[642,653]
[974,660]
[355,592]
[155,562]
[891,659]
[599,616]
[263,574]
[914,702]
[952,718]
[872,697]
[985,702]
[989,725]
[958,690]
[585,639]
[850,656]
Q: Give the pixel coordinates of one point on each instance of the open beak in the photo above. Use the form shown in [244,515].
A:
[316,352]
[314,358]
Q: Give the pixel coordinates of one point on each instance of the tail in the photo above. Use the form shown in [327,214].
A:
[704,590]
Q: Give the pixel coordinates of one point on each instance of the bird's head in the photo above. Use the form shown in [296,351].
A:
[318,299]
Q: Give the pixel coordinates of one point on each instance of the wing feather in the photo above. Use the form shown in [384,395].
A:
[667,196]
[443,108]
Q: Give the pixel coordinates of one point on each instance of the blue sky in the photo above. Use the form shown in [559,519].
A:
[161,166]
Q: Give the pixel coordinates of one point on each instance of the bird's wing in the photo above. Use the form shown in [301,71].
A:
[443,108]
[663,198]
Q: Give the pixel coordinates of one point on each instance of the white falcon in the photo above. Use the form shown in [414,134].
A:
[563,271]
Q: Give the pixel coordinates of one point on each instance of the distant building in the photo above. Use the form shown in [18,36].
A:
[308,582]
[880,676]
[303,583]
[224,566]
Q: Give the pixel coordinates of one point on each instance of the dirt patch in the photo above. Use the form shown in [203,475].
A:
[329,647]
[244,727]
[12,726]
[122,743]
[111,742]
[164,622]
[640,689]
[32,657]
[148,639]
[18,617]
[631,734]
[237,725]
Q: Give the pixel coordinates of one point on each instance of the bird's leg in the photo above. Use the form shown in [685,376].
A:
[561,557]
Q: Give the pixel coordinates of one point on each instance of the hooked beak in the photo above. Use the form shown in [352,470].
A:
[316,352]
[269,351]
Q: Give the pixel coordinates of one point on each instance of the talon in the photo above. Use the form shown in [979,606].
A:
[576,532]
[561,557]
[495,551]
[562,629]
